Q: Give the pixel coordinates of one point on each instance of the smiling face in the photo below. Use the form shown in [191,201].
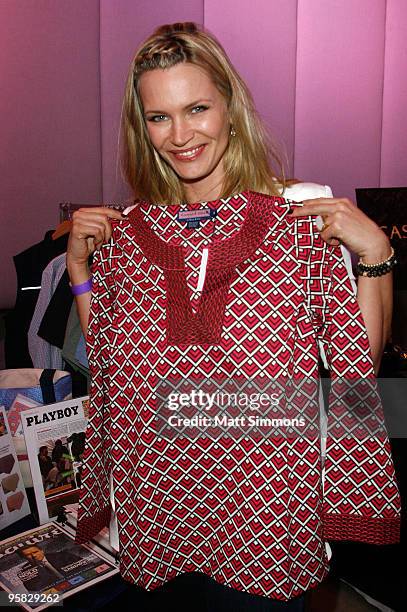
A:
[188,125]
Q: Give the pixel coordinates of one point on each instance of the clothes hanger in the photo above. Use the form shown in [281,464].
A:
[62,229]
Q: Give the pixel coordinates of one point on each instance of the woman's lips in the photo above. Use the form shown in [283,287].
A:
[189,154]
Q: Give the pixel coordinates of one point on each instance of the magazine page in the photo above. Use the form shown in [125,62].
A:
[20,403]
[55,440]
[42,566]
[13,498]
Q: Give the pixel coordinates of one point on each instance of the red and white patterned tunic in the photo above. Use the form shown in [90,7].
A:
[251,512]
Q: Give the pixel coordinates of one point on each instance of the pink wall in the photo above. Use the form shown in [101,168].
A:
[261,39]
[394,127]
[49,119]
[327,77]
[338,110]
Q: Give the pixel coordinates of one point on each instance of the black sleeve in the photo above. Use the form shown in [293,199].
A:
[53,324]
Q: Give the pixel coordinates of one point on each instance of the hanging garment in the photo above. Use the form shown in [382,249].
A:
[29,267]
[53,324]
[246,297]
[74,349]
[42,353]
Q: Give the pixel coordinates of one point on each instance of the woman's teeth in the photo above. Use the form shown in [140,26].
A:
[189,153]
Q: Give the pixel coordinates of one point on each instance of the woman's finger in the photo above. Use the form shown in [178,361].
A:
[320,206]
[103,211]
[94,230]
[88,217]
[91,220]
[316,201]
[328,233]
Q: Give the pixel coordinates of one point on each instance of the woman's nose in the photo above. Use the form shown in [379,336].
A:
[181,132]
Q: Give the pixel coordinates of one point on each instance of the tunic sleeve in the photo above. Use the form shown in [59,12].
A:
[361,499]
[94,505]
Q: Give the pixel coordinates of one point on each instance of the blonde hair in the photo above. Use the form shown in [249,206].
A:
[250,155]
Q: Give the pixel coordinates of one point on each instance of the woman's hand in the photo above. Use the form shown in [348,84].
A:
[90,229]
[345,223]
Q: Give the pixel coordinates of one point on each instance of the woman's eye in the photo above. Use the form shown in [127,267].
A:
[199,109]
[157,118]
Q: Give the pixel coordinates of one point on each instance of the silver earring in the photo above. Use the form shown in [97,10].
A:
[232,131]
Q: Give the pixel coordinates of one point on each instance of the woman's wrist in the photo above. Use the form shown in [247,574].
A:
[81,288]
[378,268]
[377,252]
[78,273]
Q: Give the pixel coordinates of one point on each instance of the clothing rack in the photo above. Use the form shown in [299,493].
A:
[66,209]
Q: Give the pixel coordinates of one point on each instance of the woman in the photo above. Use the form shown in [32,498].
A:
[192,136]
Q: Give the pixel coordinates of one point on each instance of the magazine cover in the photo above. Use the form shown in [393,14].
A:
[55,440]
[13,498]
[42,566]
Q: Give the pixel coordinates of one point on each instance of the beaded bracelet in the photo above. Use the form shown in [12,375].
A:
[82,288]
[377,269]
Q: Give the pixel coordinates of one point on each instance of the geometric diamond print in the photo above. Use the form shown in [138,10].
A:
[253,513]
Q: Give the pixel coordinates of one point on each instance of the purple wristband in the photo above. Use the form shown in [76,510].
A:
[83,287]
